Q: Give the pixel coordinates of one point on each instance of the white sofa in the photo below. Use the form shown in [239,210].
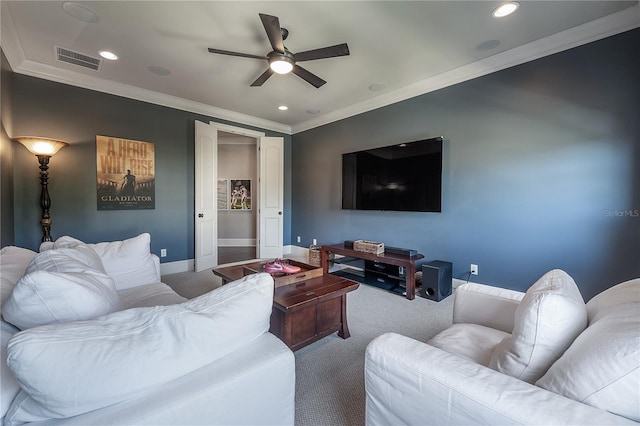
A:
[541,357]
[103,341]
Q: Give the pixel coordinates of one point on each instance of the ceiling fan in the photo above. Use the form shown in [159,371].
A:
[281,60]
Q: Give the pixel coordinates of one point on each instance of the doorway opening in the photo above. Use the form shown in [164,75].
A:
[260,189]
[237,192]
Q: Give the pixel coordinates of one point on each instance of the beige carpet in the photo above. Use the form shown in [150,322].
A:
[330,372]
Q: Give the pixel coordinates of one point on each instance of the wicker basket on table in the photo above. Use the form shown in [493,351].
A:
[315,257]
[368,246]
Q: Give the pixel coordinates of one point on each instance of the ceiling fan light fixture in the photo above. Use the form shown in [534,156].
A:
[281,65]
[281,60]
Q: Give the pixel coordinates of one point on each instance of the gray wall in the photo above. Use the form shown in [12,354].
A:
[541,171]
[6,158]
[77,115]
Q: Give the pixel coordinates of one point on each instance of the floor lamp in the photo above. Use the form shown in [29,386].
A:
[44,149]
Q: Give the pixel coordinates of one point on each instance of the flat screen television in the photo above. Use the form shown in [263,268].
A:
[402,177]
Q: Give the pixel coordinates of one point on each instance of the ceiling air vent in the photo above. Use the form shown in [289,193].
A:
[77,58]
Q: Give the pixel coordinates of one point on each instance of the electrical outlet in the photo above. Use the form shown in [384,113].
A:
[315,242]
[163,252]
[474,269]
[298,239]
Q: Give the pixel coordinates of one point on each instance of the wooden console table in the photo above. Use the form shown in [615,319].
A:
[408,262]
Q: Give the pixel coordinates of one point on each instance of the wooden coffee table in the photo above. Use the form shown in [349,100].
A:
[307,310]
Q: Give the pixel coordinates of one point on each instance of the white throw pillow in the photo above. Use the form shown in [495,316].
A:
[70,369]
[620,294]
[602,366]
[129,262]
[13,264]
[59,287]
[58,260]
[550,316]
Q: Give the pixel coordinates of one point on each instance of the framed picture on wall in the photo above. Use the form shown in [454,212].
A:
[223,194]
[240,194]
[126,178]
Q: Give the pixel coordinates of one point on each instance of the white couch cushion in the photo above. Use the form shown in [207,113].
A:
[486,305]
[149,295]
[602,366]
[129,262]
[9,387]
[472,341]
[135,350]
[550,316]
[58,287]
[13,264]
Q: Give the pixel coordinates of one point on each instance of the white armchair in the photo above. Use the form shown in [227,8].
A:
[473,372]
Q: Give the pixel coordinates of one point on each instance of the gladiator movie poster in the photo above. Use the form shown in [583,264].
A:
[126,174]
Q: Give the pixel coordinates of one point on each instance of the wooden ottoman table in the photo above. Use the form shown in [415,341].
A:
[310,310]
[304,311]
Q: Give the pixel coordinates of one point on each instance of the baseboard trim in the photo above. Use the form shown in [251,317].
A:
[177,267]
[236,242]
[458,282]
[297,251]
[290,250]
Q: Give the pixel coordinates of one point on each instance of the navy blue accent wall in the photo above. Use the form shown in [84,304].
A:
[77,115]
[541,171]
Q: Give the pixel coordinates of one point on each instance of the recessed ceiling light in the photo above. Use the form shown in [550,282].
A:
[81,12]
[108,55]
[505,9]
[376,87]
[158,70]
[313,111]
[283,107]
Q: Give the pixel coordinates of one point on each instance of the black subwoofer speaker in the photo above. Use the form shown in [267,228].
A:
[436,280]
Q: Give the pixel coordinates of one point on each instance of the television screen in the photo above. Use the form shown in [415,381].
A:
[402,177]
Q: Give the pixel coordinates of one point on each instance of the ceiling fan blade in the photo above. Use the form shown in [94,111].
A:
[272,27]
[242,55]
[263,77]
[310,78]
[324,52]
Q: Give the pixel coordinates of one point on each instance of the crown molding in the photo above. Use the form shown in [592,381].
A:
[14,52]
[606,26]
[47,72]
[11,45]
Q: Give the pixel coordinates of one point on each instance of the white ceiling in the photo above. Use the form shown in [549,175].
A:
[408,47]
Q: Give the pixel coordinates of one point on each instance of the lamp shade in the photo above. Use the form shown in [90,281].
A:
[41,146]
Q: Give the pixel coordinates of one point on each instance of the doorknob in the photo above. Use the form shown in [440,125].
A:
[200,215]
[280,213]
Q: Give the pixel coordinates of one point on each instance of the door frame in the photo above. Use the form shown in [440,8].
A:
[226,128]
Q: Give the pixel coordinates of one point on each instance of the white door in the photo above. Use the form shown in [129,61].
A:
[271,204]
[206,178]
